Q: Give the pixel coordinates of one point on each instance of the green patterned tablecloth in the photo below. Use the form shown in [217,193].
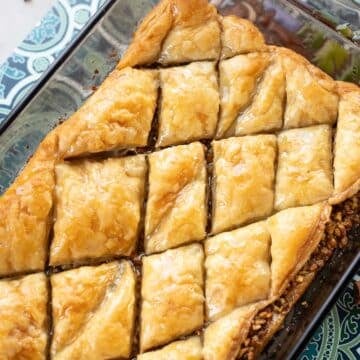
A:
[339,335]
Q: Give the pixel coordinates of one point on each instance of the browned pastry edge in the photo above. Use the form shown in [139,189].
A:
[324,79]
[270,318]
[310,245]
[344,89]
[339,198]
[271,314]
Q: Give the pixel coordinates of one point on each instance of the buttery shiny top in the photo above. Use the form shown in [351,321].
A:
[240,150]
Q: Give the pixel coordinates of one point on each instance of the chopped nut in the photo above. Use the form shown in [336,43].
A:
[265,315]
[326,251]
[332,243]
[337,232]
[344,241]
[338,216]
[260,321]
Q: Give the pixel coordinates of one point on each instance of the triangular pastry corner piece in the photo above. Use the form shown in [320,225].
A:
[223,338]
[175,32]
[25,212]
[240,36]
[295,233]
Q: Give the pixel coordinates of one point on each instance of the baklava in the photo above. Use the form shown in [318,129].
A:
[244,178]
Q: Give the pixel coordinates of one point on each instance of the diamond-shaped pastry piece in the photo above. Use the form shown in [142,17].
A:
[98,208]
[189,349]
[176,209]
[189,103]
[347,145]
[295,233]
[304,174]
[118,115]
[237,269]
[238,81]
[244,176]
[93,312]
[311,97]
[23,318]
[175,307]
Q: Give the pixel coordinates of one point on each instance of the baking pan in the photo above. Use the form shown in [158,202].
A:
[94,53]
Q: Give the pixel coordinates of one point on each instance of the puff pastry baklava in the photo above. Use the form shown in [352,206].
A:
[197,246]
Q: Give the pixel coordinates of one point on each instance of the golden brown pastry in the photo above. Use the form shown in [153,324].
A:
[237,269]
[239,36]
[265,113]
[189,103]
[241,192]
[347,144]
[25,211]
[175,31]
[176,209]
[295,233]
[189,349]
[23,318]
[111,205]
[311,97]
[223,338]
[97,208]
[118,115]
[238,80]
[304,174]
[175,307]
[93,312]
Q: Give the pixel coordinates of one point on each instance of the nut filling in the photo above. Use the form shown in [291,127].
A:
[268,320]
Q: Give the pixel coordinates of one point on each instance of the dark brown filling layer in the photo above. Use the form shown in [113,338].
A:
[270,319]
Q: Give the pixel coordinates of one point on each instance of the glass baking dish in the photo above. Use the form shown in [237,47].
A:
[95,52]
